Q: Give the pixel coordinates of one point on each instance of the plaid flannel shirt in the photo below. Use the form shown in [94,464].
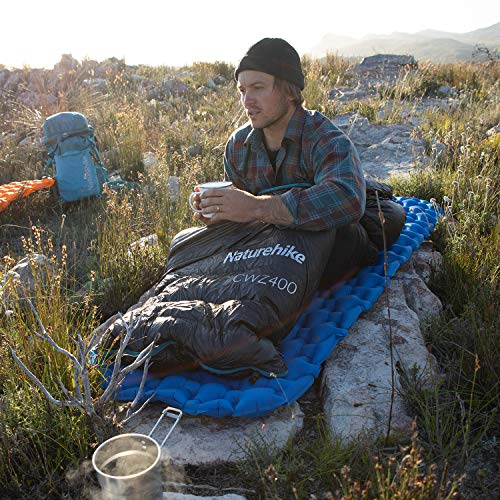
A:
[313,151]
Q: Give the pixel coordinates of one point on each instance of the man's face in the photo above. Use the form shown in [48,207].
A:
[265,104]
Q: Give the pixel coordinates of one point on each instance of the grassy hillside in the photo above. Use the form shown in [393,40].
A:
[148,134]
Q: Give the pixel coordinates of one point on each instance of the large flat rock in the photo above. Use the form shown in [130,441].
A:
[356,384]
[199,440]
[384,150]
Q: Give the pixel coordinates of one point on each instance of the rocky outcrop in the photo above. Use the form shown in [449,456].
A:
[356,384]
[384,149]
[205,440]
[383,63]
[40,88]
[382,69]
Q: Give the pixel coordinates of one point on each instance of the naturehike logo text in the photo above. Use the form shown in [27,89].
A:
[288,251]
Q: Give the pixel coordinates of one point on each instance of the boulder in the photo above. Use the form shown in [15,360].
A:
[108,67]
[174,86]
[219,80]
[212,85]
[356,383]
[12,81]
[67,63]
[386,62]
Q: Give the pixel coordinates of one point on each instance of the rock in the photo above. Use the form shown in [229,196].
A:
[203,91]
[174,86]
[28,141]
[211,85]
[446,91]
[426,261]
[382,69]
[29,99]
[385,111]
[88,66]
[219,80]
[19,282]
[194,150]
[384,149]
[438,151]
[149,159]
[137,78]
[173,188]
[429,104]
[145,241]
[387,62]
[346,94]
[4,74]
[186,74]
[154,94]
[67,63]
[493,131]
[99,84]
[356,384]
[12,81]
[108,67]
[204,440]
[417,122]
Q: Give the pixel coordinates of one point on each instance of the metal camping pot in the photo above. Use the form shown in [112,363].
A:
[128,466]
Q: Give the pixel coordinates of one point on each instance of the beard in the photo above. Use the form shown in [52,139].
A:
[278,115]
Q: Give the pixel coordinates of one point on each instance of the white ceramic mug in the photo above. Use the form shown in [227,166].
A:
[203,187]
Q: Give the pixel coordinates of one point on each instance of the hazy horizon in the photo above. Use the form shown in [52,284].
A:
[152,32]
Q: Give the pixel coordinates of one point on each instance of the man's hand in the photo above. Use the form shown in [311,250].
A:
[239,206]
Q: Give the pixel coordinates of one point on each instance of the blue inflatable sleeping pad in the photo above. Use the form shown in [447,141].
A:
[325,322]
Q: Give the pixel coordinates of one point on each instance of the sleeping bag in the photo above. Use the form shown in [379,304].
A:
[231,292]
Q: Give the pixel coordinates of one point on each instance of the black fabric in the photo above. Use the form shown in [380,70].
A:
[357,245]
[352,250]
[272,157]
[223,304]
[276,57]
[394,214]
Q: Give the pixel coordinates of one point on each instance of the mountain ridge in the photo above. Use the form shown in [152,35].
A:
[432,45]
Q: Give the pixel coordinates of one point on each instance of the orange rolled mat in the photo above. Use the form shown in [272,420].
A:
[14,190]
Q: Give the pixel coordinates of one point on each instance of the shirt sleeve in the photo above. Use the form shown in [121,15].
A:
[229,167]
[338,195]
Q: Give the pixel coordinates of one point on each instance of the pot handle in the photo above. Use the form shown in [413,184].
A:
[171,412]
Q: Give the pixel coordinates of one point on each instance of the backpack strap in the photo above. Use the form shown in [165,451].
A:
[103,172]
[50,159]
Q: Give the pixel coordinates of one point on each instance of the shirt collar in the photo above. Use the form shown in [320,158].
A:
[293,131]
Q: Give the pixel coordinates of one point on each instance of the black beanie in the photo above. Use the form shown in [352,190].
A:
[276,57]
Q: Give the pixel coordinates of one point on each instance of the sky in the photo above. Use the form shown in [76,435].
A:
[36,33]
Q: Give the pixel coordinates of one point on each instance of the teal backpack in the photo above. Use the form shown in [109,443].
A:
[73,155]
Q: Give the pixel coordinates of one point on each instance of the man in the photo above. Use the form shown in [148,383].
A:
[285,144]
[311,168]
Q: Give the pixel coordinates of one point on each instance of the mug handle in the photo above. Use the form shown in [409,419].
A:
[191,203]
